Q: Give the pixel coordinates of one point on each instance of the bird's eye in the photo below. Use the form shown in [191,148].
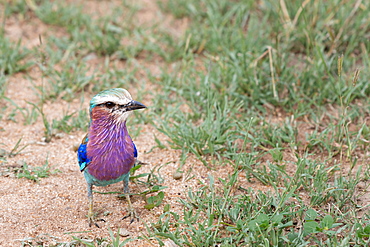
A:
[109,105]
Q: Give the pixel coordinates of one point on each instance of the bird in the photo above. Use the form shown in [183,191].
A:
[107,152]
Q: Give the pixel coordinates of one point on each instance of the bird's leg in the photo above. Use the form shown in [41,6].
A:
[131,211]
[90,214]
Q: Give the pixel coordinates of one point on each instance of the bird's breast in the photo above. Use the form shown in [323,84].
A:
[110,151]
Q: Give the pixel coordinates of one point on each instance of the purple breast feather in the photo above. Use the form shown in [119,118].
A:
[110,149]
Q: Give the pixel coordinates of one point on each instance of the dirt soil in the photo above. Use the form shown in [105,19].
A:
[54,209]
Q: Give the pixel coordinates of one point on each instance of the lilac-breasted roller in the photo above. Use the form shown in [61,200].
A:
[107,152]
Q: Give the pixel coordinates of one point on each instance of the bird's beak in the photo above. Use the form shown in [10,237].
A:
[134,105]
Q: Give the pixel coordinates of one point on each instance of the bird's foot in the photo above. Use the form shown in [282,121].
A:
[131,211]
[92,221]
[132,215]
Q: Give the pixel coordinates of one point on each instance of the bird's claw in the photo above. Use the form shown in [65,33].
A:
[91,217]
[132,214]
[93,222]
[131,211]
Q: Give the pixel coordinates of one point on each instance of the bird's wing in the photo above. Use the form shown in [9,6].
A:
[83,161]
[135,150]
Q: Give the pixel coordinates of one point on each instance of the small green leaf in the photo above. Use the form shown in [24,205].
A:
[149,206]
[288,224]
[292,236]
[310,227]
[159,198]
[263,221]
[277,218]
[133,169]
[367,229]
[156,188]
[327,222]
[262,218]
[310,215]
[253,225]
[139,176]
[154,201]
[166,208]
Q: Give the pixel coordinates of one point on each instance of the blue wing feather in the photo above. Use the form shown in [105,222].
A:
[83,161]
[135,150]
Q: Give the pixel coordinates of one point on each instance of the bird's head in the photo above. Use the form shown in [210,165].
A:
[115,104]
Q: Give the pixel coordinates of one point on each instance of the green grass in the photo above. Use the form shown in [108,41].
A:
[33,173]
[277,90]
[13,56]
